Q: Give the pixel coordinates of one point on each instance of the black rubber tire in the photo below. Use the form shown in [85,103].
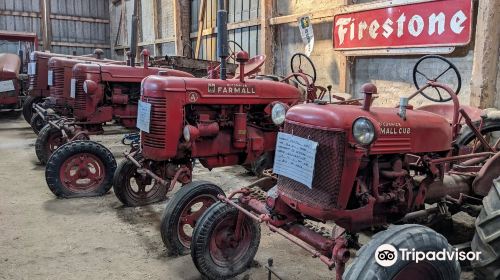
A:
[201,243]
[42,150]
[487,237]
[408,236]
[174,208]
[466,136]
[28,107]
[122,188]
[37,123]
[67,150]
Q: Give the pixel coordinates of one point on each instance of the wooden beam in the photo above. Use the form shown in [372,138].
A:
[183,28]
[201,21]
[344,65]
[81,45]
[485,64]
[157,41]
[45,25]
[20,14]
[267,35]
[230,26]
[82,19]
[155,25]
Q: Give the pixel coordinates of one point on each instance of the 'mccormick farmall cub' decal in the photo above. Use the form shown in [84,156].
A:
[393,128]
[231,89]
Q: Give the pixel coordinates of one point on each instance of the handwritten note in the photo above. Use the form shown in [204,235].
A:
[143,116]
[7,86]
[50,78]
[32,68]
[295,158]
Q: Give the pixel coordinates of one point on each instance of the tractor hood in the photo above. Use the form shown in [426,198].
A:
[10,64]
[123,73]
[421,132]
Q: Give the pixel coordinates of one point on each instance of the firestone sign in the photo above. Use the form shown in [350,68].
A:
[429,24]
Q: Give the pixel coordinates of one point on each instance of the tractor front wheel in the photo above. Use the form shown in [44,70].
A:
[80,169]
[48,140]
[136,189]
[487,237]
[216,251]
[183,211]
[390,265]
[28,107]
[37,123]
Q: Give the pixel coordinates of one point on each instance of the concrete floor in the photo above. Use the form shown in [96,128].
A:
[42,237]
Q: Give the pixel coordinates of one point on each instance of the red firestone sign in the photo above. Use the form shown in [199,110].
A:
[428,24]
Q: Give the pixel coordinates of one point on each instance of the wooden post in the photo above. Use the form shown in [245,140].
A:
[45,25]
[182,13]
[201,20]
[267,35]
[485,65]
[155,25]
[344,67]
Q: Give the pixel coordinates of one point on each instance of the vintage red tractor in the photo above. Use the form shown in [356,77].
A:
[359,167]
[13,69]
[219,122]
[102,93]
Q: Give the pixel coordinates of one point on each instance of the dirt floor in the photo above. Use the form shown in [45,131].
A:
[42,237]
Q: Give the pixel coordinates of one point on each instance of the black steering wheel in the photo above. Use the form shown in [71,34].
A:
[437,96]
[297,58]
[232,53]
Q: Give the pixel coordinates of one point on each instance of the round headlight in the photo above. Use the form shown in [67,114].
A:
[278,113]
[363,131]
[186,133]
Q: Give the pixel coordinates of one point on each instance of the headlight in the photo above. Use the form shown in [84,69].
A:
[89,86]
[363,131]
[278,113]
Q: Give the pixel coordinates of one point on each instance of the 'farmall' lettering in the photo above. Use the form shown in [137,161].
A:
[435,23]
[231,89]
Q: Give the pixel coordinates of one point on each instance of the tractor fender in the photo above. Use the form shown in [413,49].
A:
[484,179]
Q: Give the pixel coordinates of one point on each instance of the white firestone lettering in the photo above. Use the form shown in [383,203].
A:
[419,22]
[342,30]
[401,21]
[438,19]
[387,28]
[456,23]
[374,26]
[351,34]
[361,29]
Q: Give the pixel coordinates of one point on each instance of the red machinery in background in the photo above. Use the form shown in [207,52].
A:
[360,167]
[13,69]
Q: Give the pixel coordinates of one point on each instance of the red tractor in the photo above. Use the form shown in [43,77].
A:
[361,167]
[13,69]
[102,93]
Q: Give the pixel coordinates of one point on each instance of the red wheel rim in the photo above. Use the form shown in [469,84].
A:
[82,173]
[190,215]
[141,187]
[54,141]
[225,250]
[418,271]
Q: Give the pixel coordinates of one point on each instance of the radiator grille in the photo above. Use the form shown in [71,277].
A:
[158,125]
[80,105]
[57,88]
[327,170]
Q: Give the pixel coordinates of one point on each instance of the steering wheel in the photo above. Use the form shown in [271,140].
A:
[232,53]
[298,58]
[451,66]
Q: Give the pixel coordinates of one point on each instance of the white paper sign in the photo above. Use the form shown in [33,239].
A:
[7,86]
[32,68]
[50,79]
[143,116]
[294,158]
[307,34]
[72,92]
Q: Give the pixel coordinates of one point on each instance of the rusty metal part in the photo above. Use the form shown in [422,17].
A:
[145,170]
[475,131]
[484,179]
[452,185]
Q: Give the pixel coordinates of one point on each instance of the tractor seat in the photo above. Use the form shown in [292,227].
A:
[252,66]
[10,64]
[446,111]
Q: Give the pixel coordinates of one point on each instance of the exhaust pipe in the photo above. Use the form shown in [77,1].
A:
[222,34]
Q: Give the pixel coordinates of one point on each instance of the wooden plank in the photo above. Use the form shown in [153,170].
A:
[201,20]
[20,14]
[230,26]
[405,51]
[485,65]
[267,35]
[45,25]
[344,65]
[155,23]
[80,45]
[81,19]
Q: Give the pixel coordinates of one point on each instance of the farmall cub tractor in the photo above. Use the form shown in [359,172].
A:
[218,122]
[361,167]
[101,93]
[13,69]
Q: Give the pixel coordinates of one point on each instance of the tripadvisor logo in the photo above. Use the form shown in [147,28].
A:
[387,255]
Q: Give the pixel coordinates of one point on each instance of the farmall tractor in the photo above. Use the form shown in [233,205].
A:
[39,89]
[361,167]
[102,93]
[13,70]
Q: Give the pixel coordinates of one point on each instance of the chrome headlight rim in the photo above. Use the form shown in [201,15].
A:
[372,135]
[278,113]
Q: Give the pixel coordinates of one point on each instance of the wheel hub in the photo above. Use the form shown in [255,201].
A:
[82,173]
[190,215]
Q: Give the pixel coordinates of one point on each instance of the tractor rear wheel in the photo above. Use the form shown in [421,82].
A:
[37,123]
[28,107]
[410,236]
[468,138]
[48,140]
[80,169]
[135,189]
[215,251]
[487,237]
[183,211]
